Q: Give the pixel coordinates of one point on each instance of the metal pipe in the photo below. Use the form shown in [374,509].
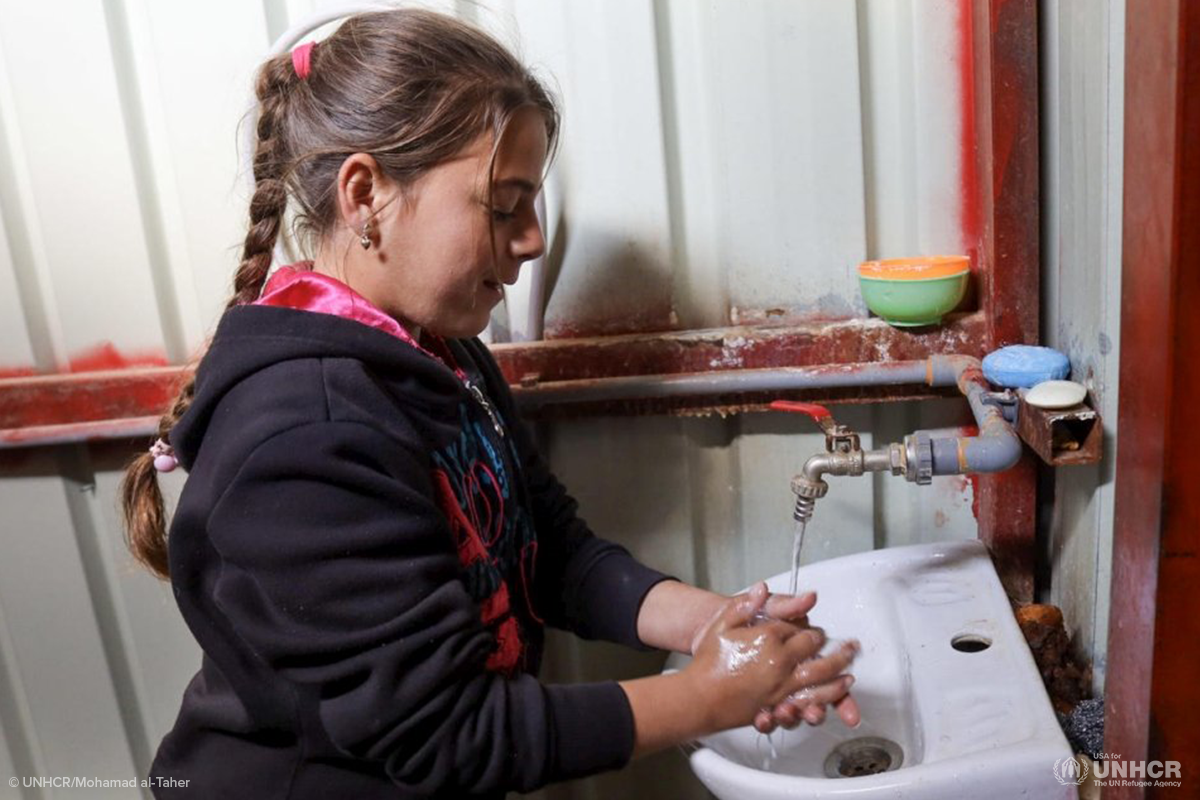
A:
[996,448]
[924,453]
[649,387]
[853,463]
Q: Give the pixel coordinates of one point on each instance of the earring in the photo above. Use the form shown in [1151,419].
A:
[364,237]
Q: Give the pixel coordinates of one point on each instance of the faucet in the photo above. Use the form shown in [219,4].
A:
[843,456]
[925,453]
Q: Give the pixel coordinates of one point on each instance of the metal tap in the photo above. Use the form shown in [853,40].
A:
[843,456]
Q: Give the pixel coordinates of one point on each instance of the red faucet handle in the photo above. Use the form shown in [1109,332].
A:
[818,413]
[837,437]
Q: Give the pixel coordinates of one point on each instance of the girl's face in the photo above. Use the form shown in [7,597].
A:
[431,263]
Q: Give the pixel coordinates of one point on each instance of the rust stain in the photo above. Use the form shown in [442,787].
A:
[974,479]
[961,444]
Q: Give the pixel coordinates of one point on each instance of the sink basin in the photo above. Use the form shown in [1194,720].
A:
[952,703]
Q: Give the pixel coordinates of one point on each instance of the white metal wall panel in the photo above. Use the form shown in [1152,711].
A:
[788,147]
[615,202]
[911,105]
[68,115]
[193,68]
[68,711]
[1083,52]
[721,162]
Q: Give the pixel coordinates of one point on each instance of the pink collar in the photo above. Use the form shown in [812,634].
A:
[297,286]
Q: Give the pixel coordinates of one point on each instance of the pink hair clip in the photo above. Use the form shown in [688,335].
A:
[302,59]
[164,456]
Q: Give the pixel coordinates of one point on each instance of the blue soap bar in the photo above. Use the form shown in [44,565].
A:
[1022,365]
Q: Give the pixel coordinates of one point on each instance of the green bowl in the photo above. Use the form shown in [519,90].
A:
[910,303]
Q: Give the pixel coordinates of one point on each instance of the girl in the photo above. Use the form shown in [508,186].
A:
[368,544]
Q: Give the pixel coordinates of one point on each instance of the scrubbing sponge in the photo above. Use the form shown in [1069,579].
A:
[1084,726]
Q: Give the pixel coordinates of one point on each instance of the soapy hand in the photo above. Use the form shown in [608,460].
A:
[741,667]
[808,705]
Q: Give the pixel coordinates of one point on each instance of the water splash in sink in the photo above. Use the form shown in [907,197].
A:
[772,756]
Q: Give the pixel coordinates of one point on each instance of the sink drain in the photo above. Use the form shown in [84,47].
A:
[869,755]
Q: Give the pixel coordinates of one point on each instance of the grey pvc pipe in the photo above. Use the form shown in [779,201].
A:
[995,449]
[651,387]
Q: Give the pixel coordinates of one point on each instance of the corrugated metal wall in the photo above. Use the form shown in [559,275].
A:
[1083,113]
[723,163]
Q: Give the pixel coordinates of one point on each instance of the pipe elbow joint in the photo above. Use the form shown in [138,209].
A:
[994,453]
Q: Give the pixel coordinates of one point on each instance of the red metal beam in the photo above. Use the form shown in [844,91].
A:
[721,349]
[42,409]
[1151,693]
[1002,38]
[74,398]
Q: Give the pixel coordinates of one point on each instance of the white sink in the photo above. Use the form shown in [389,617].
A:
[958,723]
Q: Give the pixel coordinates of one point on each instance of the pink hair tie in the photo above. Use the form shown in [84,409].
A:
[164,456]
[302,59]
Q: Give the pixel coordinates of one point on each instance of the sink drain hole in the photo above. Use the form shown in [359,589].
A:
[970,643]
[869,755]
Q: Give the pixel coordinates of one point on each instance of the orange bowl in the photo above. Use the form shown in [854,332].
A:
[914,269]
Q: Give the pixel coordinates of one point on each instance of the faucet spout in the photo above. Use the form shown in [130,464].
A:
[924,453]
[809,486]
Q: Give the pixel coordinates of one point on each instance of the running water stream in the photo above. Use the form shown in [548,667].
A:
[797,545]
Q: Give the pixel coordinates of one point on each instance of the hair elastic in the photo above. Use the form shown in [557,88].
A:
[302,59]
[164,456]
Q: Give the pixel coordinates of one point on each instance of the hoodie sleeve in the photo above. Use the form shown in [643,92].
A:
[340,574]
[582,583]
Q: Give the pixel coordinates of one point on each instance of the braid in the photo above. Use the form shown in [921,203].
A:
[269,202]
[142,501]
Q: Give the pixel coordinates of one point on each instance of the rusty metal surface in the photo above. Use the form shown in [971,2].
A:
[718,349]
[1006,247]
[1062,436]
[1010,246]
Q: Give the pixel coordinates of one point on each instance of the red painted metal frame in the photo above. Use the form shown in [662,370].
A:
[96,397]
[1006,246]
[1152,696]
[722,349]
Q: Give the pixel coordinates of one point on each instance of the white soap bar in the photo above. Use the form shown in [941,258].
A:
[1056,394]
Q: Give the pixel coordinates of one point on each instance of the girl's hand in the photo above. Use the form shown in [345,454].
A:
[809,705]
[739,668]
[789,608]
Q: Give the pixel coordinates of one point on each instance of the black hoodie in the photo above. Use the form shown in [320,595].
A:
[366,556]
